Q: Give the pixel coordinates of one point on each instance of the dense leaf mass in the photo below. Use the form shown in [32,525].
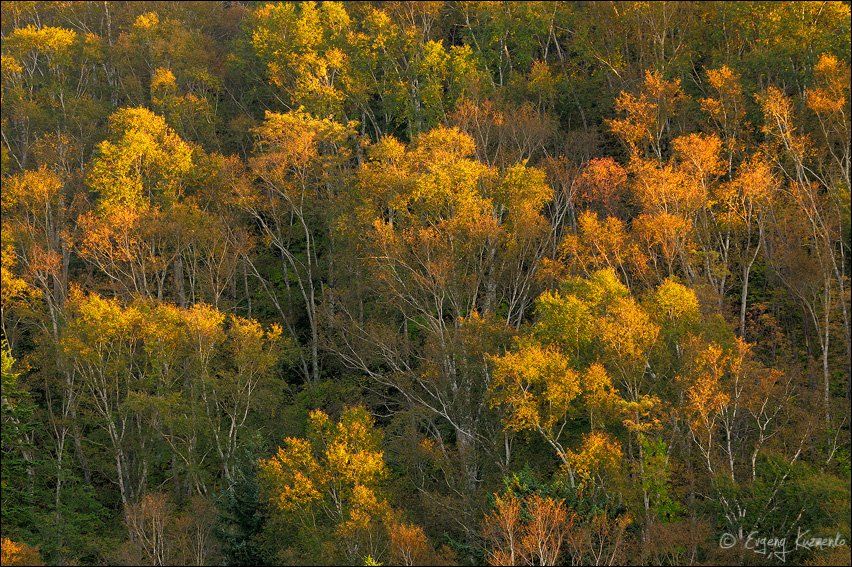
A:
[425,283]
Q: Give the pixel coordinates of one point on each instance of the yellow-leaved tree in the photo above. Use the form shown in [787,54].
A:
[327,490]
[15,553]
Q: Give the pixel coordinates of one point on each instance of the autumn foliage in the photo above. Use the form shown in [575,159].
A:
[425,283]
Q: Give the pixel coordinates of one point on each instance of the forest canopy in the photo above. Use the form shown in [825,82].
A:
[425,283]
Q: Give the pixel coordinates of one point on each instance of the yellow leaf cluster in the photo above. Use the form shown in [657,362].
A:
[646,114]
[670,189]
[46,39]
[628,332]
[832,91]
[18,553]
[14,289]
[35,190]
[676,302]
[536,386]
[749,193]
[603,244]
[706,394]
[295,473]
[336,460]
[146,21]
[599,456]
[602,398]
[10,66]
[727,106]
[563,320]
[143,161]
[700,155]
